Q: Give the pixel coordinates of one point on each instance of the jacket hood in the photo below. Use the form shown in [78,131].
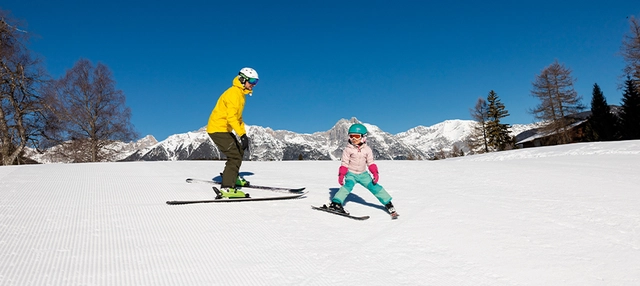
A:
[236,83]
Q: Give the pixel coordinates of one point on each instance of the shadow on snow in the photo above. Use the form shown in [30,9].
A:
[356,199]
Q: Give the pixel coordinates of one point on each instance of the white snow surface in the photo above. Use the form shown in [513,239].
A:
[562,215]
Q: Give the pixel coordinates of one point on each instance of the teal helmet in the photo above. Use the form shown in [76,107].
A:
[358,129]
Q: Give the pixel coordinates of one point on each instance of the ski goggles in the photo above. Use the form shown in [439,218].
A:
[253,81]
[356,136]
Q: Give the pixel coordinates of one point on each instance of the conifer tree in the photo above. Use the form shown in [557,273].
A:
[630,114]
[601,123]
[497,132]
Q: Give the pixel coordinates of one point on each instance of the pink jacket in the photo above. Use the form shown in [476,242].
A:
[357,158]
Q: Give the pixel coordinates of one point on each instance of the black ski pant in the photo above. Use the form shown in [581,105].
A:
[228,144]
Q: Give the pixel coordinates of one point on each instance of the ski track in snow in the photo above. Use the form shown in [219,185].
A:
[562,215]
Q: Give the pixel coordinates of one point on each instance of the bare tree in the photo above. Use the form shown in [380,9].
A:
[86,113]
[20,78]
[456,152]
[631,51]
[478,140]
[554,87]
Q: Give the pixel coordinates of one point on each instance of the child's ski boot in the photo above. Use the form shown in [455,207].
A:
[392,210]
[336,207]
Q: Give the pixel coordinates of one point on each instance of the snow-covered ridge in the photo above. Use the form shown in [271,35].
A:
[266,144]
[275,145]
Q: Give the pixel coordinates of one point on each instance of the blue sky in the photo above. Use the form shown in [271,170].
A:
[395,64]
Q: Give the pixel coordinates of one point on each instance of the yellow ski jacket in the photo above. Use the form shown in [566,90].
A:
[227,114]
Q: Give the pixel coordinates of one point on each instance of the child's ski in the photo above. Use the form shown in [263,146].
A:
[324,209]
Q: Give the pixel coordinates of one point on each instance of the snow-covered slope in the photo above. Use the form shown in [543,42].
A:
[561,215]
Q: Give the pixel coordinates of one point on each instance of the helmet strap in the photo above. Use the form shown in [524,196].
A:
[242,78]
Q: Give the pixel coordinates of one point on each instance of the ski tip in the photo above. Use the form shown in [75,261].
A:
[175,203]
[189,180]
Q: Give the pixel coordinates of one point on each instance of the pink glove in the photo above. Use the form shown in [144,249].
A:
[374,170]
[341,172]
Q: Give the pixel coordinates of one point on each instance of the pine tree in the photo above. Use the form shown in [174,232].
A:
[497,132]
[630,114]
[601,123]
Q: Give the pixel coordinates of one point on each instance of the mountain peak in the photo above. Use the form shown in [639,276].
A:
[266,144]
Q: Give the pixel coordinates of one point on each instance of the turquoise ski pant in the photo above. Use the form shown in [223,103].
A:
[364,179]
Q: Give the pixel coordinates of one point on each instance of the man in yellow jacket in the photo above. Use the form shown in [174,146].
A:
[226,118]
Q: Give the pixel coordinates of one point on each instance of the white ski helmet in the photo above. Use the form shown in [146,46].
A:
[248,73]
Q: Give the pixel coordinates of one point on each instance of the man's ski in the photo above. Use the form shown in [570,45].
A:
[227,200]
[324,209]
[277,189]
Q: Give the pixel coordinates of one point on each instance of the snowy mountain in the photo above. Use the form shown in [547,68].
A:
[186,146]
[442,136]
[119,151]
[124,150]
[266,144]
[274,145]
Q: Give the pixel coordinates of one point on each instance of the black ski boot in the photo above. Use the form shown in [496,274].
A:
[392,210]
[337,207]
[390,207]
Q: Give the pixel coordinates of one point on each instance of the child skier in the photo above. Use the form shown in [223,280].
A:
[356,158]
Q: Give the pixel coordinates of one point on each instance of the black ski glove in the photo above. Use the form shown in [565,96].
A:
[245,142]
